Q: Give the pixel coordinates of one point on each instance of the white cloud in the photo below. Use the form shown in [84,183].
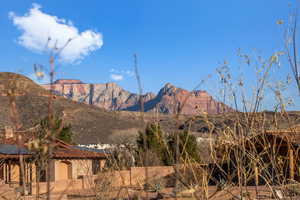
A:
[116,77]
[37,27]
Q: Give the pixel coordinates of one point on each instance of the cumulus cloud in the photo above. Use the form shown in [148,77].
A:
[125,72]
[37,27]
[116,77]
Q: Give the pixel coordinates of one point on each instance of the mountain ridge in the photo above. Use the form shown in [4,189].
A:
[110,96]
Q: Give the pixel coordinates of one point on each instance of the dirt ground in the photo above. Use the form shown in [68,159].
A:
[212,193]
[229,193]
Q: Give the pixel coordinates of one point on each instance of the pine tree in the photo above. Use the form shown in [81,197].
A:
[154,142]
[188,147]
[164,148]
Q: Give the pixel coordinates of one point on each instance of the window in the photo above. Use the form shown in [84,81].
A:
[96,166]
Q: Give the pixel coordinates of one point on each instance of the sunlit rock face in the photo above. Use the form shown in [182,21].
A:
[173,100]
[108,95]
[111,96]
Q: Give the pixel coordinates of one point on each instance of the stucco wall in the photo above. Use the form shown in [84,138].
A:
[81,168]
[62,169]
[134,176]
[77,168]
[66,185]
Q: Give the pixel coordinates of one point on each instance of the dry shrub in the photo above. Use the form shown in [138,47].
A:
[104,185]
[156,185]
[149,157]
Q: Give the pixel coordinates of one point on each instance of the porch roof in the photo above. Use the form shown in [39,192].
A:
[11,148]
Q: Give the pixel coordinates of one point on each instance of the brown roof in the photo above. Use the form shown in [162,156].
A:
[64,150]
[61,148]
[6,156]
[77,153]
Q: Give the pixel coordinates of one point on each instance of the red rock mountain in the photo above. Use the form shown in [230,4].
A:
[111,96]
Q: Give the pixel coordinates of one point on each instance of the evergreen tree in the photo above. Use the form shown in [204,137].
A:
[163,149]
[188,147]
[153,136]
[154,142]
[63,132]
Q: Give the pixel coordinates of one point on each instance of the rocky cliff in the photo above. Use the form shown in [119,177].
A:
[111,96]
[171,99]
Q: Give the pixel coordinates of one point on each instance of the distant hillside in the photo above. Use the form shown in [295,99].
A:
[111,96]
[89,123]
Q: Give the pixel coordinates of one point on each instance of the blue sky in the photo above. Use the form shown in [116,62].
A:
[176,41]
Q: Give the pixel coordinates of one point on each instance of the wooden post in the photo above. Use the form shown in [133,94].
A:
[6,172]
[20,175]
[204,182]
[30,177]
[9,171]
[291,163]
[256,175]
